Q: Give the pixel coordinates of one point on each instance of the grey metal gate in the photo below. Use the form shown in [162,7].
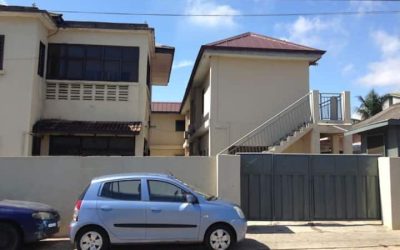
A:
[309,187]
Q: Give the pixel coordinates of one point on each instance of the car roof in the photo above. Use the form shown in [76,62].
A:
[131,175]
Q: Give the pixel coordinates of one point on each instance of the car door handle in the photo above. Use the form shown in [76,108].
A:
[155,210]
[105,208]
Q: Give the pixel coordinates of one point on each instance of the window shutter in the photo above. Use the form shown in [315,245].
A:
[1,51]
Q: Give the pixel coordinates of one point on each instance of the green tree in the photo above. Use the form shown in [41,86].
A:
[371,104]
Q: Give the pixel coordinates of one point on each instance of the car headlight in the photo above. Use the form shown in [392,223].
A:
[239,212]
[43,216]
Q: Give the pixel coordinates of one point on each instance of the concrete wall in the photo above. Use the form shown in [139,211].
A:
[389,176]
[247,91]
[164,140]
[228,177]
[20,86]
[58,181]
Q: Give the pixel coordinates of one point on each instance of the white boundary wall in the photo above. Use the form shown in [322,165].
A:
[58,181]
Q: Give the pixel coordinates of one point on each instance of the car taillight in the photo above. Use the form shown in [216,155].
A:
[76,210]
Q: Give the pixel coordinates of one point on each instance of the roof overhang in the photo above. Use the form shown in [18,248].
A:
[161,65]
[372,126]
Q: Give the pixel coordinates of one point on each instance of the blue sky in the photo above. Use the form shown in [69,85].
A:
[363,51]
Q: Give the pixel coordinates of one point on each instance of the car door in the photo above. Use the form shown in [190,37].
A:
[121,209]
[168,216]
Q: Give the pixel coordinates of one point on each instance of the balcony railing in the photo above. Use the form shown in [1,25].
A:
[330,107]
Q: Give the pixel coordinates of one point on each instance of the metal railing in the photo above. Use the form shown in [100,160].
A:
[275,129]
[330,107]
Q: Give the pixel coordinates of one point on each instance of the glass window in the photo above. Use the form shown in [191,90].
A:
[179,125]
[112,53]
[1,51]
[163,191]
[76,51]
[64,145]
[75,69]
[376,144]
[94,146]
[112,71]
[42,52]
[130,54]
[94,69]
[122,190]
[94,52]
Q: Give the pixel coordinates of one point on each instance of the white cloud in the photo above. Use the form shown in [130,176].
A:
[3,2]
[348,68]
[211,7]
[182,64]
[315,32]
[384,72]
[363,6]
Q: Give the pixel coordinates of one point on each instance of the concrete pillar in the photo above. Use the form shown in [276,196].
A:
[346,107]
[228,177]
[314,102]
[348,144]
[389,176]
[335,144]
[315,145]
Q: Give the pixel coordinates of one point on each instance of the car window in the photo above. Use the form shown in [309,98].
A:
[122,190]
[166,192]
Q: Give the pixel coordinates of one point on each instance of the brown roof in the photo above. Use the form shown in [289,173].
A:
[391,113]
[87,127]
[251,40]
[165,107]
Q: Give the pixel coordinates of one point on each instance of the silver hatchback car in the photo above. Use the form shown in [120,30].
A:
[152,208]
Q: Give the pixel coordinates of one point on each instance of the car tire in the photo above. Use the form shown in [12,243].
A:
[92,236]
[219,237]
[10,237]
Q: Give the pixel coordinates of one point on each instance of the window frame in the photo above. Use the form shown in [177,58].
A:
[42,59]
[99,194]
[62,60]
[168,182]
[2,49]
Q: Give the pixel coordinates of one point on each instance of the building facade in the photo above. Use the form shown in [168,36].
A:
[76,88]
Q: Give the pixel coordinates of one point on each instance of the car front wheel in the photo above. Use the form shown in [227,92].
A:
[92,239]
[10,238]
[219,237]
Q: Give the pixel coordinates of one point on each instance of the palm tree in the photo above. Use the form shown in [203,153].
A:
[371,104]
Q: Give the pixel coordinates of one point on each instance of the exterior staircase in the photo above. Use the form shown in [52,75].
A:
[279,132]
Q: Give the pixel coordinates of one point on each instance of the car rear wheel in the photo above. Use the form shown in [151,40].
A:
[92,239]
[10,238]
[219,237]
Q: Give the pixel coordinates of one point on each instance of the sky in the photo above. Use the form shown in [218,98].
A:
[363,51]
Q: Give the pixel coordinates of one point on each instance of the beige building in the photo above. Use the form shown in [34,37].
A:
[167,128]
[76,88]
[258,86]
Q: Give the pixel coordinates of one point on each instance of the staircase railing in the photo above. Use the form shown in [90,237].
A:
[275,129]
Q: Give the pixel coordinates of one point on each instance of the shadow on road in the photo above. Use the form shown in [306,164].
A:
[65,245]
[274,229]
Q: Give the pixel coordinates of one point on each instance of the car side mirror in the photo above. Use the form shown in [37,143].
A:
[190,198]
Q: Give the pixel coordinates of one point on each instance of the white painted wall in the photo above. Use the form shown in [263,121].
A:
[58,181]
[247,91]
[20,86]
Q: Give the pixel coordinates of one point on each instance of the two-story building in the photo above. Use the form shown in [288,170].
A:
[75,87]
[251,93]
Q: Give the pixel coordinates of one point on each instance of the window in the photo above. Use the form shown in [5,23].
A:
[375,144]
[122,190]
[42,54]
[163,191]
[93,62]
[179,125]
[1,51]
[92,145]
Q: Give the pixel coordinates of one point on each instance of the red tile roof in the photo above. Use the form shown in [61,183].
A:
[165,107]
[87,127]
[255,41]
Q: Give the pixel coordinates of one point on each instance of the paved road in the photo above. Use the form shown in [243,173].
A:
[286,235]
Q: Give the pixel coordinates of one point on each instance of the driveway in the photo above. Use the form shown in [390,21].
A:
[286,235]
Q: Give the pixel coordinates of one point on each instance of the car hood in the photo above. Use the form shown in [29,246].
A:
[222,202]
[36,206]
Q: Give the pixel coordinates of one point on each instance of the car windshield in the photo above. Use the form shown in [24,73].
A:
[206,196]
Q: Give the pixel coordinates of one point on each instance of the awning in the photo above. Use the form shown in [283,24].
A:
[49,126]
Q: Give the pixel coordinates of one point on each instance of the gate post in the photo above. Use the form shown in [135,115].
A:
[389,176]
[228,177]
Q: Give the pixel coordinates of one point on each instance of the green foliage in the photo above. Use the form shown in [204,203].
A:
[371,104]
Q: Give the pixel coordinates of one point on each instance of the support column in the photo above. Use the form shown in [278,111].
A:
[315,106]
[348,144]
[346,107]
[315,141]
[335,144]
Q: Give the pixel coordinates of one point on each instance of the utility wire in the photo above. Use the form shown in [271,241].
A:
[341,13]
